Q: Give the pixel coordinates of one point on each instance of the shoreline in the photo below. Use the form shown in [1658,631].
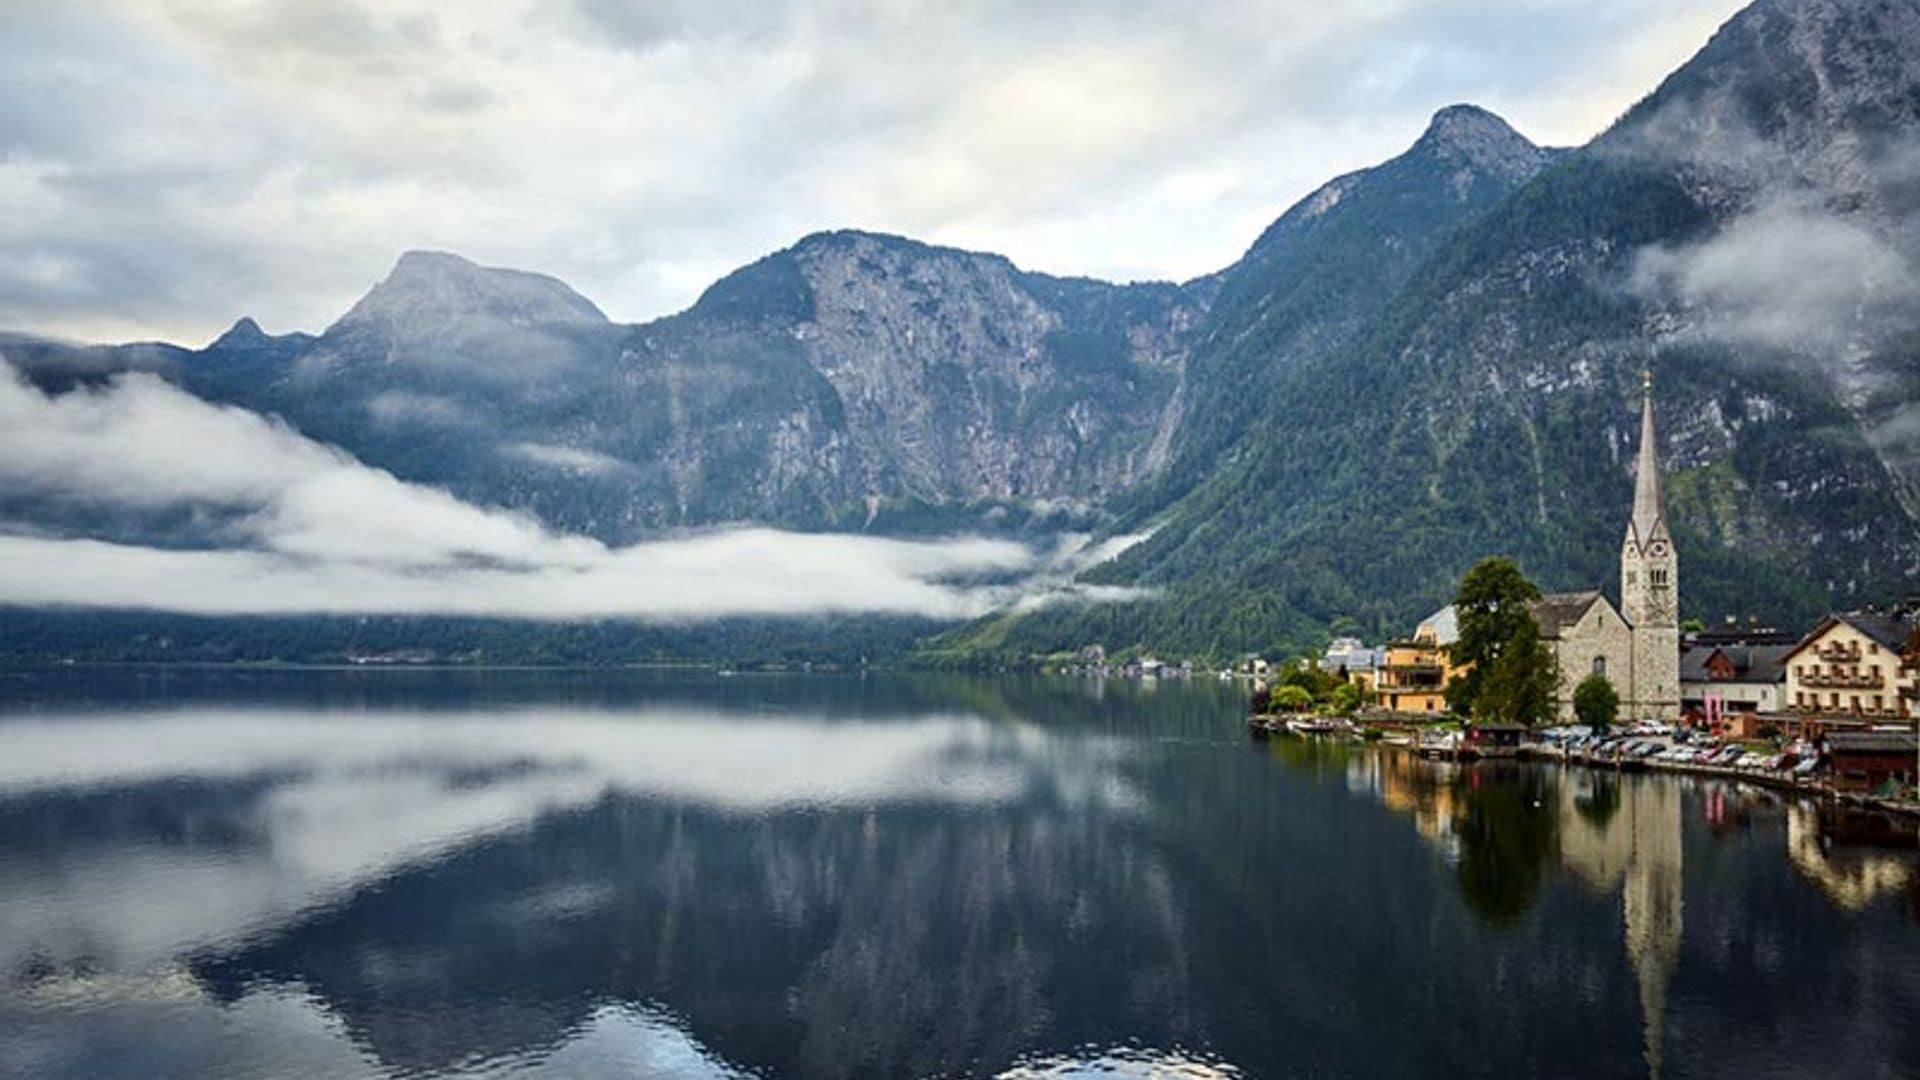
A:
[1264,727]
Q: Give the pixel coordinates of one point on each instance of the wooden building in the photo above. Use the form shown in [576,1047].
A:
[1862,761]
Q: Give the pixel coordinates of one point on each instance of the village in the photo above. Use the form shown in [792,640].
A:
[1833,708]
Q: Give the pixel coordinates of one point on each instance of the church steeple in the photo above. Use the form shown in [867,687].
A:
[1650,582]
[1648,516]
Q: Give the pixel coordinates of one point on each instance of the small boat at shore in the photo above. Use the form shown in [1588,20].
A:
[1315,725]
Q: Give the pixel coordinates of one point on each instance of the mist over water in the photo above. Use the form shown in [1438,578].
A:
[538,874]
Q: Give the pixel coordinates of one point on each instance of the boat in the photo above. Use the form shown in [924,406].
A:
[1314,725]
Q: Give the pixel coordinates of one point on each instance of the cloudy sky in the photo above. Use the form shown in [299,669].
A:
[167,165]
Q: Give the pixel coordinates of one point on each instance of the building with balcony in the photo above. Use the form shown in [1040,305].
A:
[1412,675]
[1856,665]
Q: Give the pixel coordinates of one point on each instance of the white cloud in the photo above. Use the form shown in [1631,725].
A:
[566,458]
[1789,275]
[314,531]
[184,161]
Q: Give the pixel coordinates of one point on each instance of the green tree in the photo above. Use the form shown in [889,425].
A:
[1510,672]
[1318,684]
[1345,699]
[1596,702]
[1692,626]
[1520,683]
[1291,699]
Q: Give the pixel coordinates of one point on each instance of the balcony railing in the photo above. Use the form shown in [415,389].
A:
[1839,654]
[1834,681]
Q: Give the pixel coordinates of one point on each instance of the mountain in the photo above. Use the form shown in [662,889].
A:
[1328,266]
[852,380]
[1739,233]
[1418,364]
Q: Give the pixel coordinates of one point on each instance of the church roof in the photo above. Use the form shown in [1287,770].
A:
[1557,612]
[1647,514]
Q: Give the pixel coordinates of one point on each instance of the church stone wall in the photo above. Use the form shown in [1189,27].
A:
[1600,634]
[1656,675]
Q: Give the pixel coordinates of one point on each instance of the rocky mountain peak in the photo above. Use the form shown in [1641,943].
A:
[1819,92]
[438,287]
[243,334]
[1471,136]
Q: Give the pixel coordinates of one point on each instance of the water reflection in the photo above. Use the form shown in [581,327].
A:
[842,878]
[1505,825]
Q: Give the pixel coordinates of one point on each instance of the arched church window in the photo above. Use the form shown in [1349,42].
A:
[1600,666]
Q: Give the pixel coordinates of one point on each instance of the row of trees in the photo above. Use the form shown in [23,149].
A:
[1301,686]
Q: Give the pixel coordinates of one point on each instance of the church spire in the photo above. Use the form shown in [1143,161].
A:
[1646,480]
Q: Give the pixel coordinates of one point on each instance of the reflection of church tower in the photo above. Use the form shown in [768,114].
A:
[1650,586]
[1653,903]
[1639,849]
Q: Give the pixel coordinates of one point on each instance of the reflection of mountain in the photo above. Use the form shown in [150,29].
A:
[809,878]
[835,943]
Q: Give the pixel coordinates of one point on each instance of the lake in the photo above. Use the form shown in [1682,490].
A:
[452,873]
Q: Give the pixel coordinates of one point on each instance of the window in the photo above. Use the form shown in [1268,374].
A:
[1876,703]
[1632,577]
[1600,666]
[1658,576]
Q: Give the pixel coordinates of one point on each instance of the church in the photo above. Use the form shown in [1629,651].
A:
[1637,647]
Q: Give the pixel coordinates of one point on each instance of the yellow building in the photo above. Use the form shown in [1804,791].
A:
[1413,675]
[1854,665]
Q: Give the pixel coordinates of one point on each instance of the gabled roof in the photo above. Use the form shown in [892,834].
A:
[1445,624]
[1892,632]
[1751,663]
[1558,612]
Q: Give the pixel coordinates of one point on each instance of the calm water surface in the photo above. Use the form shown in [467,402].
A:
[419,874]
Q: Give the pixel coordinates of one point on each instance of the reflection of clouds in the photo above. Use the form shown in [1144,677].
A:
[347,799]
[1121,1062]
[286,1034]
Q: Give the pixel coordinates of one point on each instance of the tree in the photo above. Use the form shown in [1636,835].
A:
[1492,612]
[1596,702]
[1692,626]
[1346,699]
[1291,699]
[1318,684]
[1520,683]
